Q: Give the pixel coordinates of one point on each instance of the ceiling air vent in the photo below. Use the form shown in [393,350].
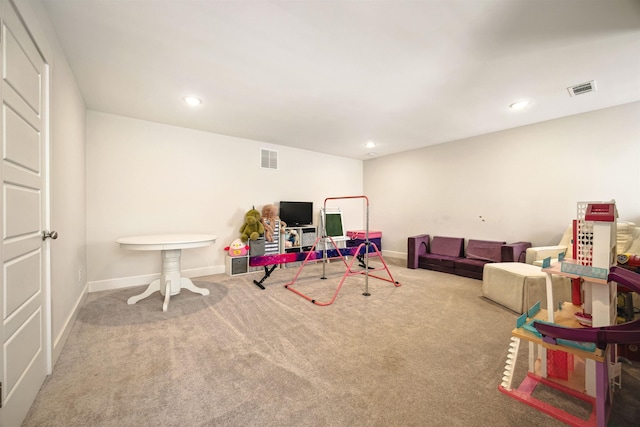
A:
[582,88]
[268,159]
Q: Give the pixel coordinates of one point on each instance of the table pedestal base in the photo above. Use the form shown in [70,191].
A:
[170,281]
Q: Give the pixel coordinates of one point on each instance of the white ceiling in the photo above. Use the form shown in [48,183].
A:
[329,76]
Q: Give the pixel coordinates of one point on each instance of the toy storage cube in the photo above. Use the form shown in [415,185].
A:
[359,236]
[256,247]
[518,286]
[273,247]
[237,265]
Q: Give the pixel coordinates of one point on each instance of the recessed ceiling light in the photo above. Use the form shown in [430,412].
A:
[370,144]
[372,153]
[519,105]
[192,100]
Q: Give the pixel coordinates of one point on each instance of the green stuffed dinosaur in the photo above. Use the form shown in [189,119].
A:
[252,227]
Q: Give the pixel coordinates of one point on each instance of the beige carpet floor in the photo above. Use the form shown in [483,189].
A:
[428,353]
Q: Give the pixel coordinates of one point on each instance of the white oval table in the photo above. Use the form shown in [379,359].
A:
[170,245]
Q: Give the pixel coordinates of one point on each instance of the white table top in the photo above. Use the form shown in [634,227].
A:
[166,241]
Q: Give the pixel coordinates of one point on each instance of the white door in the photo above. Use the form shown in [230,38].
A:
[25,350]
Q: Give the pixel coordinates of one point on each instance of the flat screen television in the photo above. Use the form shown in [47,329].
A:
[295,214]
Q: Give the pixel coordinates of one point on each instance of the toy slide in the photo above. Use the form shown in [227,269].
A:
[625,277]
[626,333]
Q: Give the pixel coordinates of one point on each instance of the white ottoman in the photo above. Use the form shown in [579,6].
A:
[518,286]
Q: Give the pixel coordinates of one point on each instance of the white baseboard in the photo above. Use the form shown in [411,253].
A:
[60,340]
[127,282]
[394,254]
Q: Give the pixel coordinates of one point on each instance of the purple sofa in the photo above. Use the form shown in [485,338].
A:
[447,254]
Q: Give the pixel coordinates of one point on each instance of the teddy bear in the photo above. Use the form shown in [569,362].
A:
[237,248]
[268,220]
[252,227]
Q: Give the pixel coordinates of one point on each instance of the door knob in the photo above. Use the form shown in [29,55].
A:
[49,234]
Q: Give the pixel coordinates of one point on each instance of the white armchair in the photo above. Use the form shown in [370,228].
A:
[517,286]
[627,241]
[537,254]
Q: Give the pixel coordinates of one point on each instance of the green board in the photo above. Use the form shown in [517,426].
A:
[334,224]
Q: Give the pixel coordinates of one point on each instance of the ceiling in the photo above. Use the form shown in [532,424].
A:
[328,76]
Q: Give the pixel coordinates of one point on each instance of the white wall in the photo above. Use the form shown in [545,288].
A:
[523,182]
[68,201]
[520,184]
[150,178]
[67,166]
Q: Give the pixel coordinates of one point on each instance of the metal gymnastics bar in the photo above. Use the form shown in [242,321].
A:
[274,260]
[366,246]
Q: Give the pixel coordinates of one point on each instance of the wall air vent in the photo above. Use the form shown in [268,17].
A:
[268,159]
[582,88]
